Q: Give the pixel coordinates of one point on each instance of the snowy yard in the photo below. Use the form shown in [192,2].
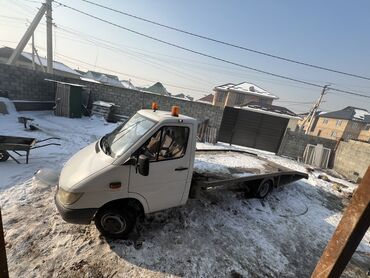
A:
[222,234]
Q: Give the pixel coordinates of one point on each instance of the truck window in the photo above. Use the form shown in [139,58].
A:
[123,137]
[167,143]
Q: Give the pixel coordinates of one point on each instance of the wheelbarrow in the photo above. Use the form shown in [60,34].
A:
[15,145]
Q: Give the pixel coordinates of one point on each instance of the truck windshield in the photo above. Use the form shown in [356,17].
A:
[124,136]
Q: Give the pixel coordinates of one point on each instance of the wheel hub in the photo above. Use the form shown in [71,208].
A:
[264,189]
[113,223]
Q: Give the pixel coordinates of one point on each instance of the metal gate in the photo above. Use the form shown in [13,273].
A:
[252,129]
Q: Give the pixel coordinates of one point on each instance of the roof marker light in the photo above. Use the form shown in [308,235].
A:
[154,106]
[175,111]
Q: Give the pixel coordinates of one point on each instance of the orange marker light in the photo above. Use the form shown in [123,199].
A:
[175,111]
[115,185]
[154,106]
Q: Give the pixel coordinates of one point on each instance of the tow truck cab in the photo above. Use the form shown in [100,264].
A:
[144,165]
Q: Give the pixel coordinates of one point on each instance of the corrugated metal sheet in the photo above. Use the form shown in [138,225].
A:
[252,129]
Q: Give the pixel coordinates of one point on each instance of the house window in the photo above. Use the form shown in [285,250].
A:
[355,125]
[239,99]
[318,134]
[220,97]
[263,101]
[325,121]
[333,134]
[339,123]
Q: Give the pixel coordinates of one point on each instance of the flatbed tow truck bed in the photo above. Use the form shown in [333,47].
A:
[243,176]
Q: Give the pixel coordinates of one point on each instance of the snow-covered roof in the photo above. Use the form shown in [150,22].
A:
[225,87]
[183,96]
[246,88]
[103,103]
[104,78]
[65,83]
[349,113]
[89,80]
[360,114]
[127,84]
[56,65]
[274,110]
[206,99]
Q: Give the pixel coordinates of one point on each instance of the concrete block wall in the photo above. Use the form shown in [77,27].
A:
[25,84]
[352,157]
[294,144]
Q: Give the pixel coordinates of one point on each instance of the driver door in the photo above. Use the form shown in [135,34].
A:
[168,151]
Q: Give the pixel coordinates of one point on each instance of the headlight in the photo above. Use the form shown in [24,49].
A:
[68,198]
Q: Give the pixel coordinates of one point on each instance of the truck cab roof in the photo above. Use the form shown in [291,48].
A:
[160,116]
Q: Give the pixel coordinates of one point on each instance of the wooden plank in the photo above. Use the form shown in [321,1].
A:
[348,235]
[3,262]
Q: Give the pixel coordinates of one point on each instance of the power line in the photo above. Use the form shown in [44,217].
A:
[227,43]
[130,75]
[204,54]
[149,61]
[118,47]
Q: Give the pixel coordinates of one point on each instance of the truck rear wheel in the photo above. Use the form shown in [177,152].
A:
[264,189]
[115,222]
[4,156]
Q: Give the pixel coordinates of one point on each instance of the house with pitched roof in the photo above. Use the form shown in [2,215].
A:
[238,94]
[40,63]
[345,124]
[207,99]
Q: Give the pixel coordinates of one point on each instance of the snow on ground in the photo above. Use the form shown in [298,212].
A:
[222,163]
[221,234]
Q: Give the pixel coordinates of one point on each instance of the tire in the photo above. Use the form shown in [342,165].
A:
[4,156]
[115,222]
[263,189]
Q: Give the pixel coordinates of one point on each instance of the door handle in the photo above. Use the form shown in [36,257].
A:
[181,169]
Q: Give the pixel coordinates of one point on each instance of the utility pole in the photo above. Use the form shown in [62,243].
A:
[311,115]
[26,37]
[33,51]
[49,36]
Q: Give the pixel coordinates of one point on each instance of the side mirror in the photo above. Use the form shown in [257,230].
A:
[130,161]
[143,165]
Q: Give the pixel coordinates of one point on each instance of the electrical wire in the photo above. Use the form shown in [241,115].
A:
[206,55]
[119,48]
[228,44]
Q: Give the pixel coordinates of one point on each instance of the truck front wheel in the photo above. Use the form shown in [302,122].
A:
[4,156]
[114,222]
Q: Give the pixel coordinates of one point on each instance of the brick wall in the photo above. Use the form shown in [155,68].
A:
[294,143]
[352,157]
[25,84]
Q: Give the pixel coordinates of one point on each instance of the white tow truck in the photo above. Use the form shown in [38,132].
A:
[143,166]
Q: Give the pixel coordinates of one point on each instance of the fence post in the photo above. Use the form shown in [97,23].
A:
[348,235]
[3,262]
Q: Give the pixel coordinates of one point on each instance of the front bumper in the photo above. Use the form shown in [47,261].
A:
[75,216]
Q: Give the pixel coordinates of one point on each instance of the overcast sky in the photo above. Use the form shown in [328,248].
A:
[332,34]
